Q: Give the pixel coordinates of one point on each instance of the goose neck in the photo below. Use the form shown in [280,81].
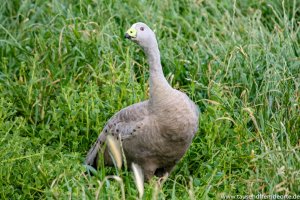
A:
[153,55]
[158,82]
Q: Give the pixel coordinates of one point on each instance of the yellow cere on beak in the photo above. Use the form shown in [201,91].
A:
[131,32]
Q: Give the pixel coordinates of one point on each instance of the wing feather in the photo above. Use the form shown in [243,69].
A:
[125,124]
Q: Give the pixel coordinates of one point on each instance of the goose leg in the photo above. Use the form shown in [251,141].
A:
[149,170]
[160,172]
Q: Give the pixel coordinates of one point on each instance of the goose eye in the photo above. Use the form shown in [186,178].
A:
[142,28]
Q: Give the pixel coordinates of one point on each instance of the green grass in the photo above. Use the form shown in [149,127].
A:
[66,69]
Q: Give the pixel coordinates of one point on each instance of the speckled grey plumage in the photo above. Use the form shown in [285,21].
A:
[155,133]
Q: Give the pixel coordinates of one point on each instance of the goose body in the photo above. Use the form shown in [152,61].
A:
[157,132]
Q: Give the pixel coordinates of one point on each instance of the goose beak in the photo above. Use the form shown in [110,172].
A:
[127,36]
[131,33]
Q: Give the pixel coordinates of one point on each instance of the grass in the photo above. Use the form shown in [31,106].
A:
[66,69]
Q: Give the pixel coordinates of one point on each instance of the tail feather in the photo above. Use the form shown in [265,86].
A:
[92,156]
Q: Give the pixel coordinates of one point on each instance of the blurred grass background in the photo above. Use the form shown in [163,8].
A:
[65,69]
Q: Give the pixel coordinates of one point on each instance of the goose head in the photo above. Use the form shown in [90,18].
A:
[141,34]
